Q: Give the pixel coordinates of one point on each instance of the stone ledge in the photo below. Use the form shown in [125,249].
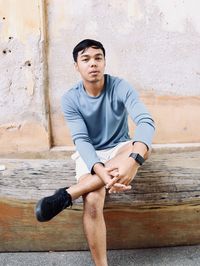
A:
[63,152]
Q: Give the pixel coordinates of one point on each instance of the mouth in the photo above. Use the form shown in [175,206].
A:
[94,72]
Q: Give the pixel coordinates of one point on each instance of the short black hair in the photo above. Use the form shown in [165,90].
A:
[83,45]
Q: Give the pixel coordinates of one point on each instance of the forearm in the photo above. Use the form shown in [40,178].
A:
[87,153]
[98,169]
[141,148]
[144,133]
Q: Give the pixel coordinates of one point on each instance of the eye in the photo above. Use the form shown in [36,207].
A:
[85,60]
[99,58]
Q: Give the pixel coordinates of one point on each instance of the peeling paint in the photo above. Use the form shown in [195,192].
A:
[22,81]
[11,126]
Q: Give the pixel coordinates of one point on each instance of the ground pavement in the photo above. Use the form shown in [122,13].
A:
[173,256]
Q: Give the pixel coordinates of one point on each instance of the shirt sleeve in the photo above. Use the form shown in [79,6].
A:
[145,126]
[79,132]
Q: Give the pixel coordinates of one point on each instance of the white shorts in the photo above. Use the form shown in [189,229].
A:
[104,156]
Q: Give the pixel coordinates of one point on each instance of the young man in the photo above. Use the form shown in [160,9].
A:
[96,110]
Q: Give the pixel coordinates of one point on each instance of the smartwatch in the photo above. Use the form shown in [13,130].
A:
[137,157]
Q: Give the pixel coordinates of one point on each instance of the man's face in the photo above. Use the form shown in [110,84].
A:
[91,64]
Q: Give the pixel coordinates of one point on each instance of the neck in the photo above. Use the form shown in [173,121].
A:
[94,88]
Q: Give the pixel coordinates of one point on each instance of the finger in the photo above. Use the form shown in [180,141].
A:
[112,182]
[127,183]
[112,190]
[122,181]
[124,188]
[127,188]
[114,173]
[116,189]
[118,185]
[109,169]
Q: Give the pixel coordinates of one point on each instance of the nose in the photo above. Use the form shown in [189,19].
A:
[93,62]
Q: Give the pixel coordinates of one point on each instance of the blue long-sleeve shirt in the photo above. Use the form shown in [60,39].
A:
[102,122]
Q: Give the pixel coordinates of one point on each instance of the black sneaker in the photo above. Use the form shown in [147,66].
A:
[49,207]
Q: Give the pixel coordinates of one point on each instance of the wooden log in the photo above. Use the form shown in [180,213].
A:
[162,209]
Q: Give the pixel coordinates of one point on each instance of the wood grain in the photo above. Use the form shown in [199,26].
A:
[162,209]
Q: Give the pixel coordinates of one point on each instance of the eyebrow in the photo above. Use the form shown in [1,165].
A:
[86,55]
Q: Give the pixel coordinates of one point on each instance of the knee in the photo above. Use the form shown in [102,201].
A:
[93,204]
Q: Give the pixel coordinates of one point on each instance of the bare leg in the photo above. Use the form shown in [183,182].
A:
[93,191]
[94,225]
[86,184]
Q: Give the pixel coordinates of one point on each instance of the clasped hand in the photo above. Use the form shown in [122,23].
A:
[117,178]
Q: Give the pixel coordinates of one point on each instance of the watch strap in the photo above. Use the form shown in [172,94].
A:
[137,157]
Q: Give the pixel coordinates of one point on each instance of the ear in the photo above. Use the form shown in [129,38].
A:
[76,66]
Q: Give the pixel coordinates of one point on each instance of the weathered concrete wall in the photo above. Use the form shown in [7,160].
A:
[154,44]
[23,119]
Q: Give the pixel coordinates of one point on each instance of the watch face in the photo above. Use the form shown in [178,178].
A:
[138,159]
[134,155]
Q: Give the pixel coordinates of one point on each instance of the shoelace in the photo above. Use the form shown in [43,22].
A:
[60,202]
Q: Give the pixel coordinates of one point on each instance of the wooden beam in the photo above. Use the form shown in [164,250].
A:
[162,209]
